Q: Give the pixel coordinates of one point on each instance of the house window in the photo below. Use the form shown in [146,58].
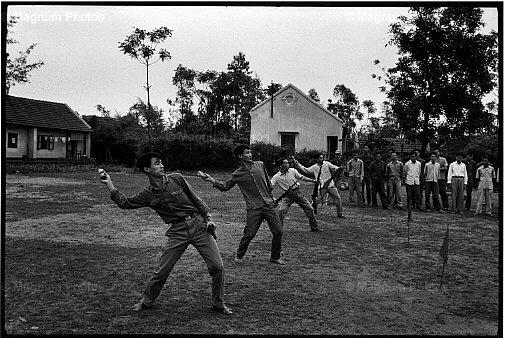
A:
[12,140]
[45,142]
[288,141]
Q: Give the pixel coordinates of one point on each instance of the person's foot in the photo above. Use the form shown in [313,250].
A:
[238,260]
[140,306]
[225,310]
[441,211]
[316,229]
[477,213]
[277,261]
[341,216]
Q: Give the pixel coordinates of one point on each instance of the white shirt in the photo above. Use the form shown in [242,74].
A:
[486,176]
[285,181]
[456,169]
[412,172]
[325,172]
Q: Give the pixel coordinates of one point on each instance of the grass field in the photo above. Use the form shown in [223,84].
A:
[75,264]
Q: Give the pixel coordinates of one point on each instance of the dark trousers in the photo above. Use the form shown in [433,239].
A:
[366,184]
[443,194]
[413,196]
[378,187]
[180,236]
[468,202]
[295,196]
[253,221]
[432,187]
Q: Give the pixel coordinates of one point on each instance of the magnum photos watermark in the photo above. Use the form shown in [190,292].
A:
[67,16]
[377,18]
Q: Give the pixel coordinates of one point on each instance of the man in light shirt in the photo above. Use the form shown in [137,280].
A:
[394,173]
[442,179]
[485,175]
[457,177]
[288,180]
[431,174]
[326,169]
[412,181]
[356,172]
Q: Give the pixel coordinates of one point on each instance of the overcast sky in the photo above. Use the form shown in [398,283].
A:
[310,47]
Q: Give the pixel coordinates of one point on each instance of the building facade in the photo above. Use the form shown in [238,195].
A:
[290,118]
[43,130]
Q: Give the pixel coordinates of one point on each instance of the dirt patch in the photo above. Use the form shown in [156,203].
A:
[75,263]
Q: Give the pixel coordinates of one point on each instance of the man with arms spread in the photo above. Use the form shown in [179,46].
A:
[288,180]
[189,222]
[254,183]
[325,179]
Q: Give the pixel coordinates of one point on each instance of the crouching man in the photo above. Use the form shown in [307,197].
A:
[189,222]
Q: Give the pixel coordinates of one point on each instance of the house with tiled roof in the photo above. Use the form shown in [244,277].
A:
[291,119]
[44,130]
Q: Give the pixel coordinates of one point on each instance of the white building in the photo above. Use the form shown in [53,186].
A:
[294,120]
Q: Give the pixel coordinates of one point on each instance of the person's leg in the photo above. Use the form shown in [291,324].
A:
[427,194]
[382,195]
[417,196]
[368,190]
[274,223]
[397,185]
[374,185]
[253,222]
[437,201]
[460,183]
[335,195]
[352,188]
[390,194]
[454,201]
[284,208]
[443,194]
[170,253]
[480,197]
[487,193]
[468,202]
[360,193]
[409,189]
[308,210]
[208,249]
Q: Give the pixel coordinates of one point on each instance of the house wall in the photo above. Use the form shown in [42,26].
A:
[312,124]
[27,143]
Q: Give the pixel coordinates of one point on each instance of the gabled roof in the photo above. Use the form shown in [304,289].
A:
[44,114]
[301,93]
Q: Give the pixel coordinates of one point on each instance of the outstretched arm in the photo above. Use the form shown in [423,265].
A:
[120,199]
[222,186]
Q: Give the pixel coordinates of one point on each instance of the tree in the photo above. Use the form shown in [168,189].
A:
[152,117]
[18,69]
[313,95]
[142,46]
[184,80]
[346,108]
[446,66]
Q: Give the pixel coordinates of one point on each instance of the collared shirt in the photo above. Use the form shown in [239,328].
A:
[470,170]
[325,169]
[367,162]
[356,168]
[394,170]
[432,171]
[378,170]
[254,184]
[174,201]
[457,169]
[286,180]
[443,168]
[486,176]
[412,173]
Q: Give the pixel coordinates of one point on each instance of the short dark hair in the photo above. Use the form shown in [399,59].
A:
[433,153]
[239,150]
[317,154]
[144,160]
[413,152]
[280,161]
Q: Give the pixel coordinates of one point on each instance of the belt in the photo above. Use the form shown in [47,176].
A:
[182,219]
